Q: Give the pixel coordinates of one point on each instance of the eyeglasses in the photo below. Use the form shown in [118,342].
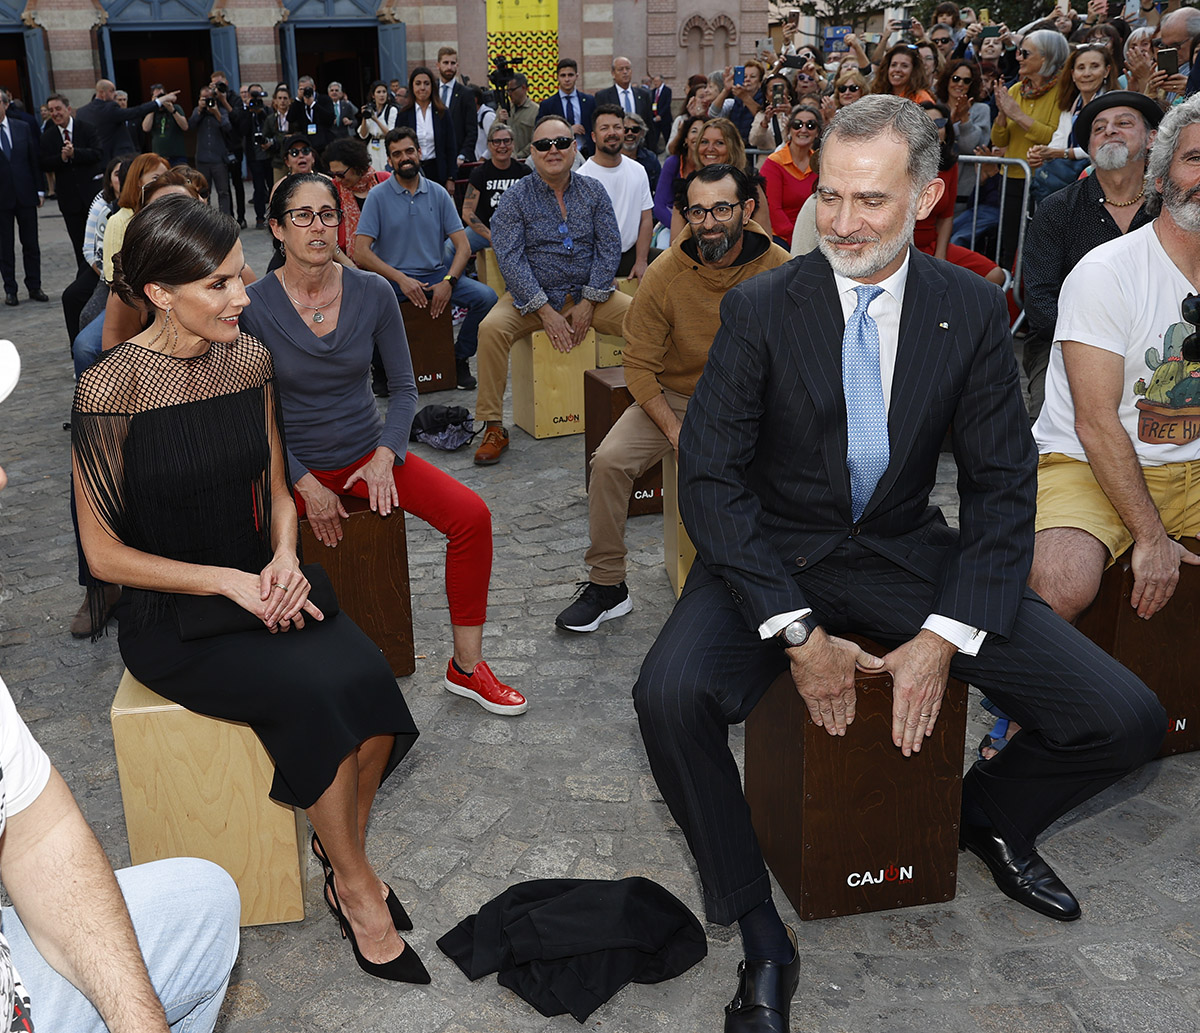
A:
[849,87]
[568,243]
[943,41]
[721,212]
[962,79]
[502,141]
[295,152]
[632,130]
[560,143]
[1156,43]
[805,77]
[1023,53]
[339,175]
[1190,310]
[303,217]
[809,125]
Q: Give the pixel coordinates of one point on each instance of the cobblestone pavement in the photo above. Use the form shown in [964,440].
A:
[483,802]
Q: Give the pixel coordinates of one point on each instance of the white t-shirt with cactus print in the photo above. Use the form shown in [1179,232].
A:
[1124,297]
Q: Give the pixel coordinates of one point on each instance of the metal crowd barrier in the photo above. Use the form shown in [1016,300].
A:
[1012,276]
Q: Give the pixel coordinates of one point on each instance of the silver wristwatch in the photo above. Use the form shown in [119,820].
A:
[798,632]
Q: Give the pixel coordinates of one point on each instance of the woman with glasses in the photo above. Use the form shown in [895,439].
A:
[379,117]
[425,113]
[1027,114]
[277,130]
[1090,71]
[182,479]
[790,172]
[351,168]
[902,74]
[960,88]
[322,323]
[720,143]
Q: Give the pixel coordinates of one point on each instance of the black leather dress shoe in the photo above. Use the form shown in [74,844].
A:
[1028,880]
[11,299]
[38,295]
[764,995]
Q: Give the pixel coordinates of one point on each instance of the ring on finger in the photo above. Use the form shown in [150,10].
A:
[278,585]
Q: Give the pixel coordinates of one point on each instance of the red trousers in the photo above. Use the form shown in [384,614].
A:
[450,507]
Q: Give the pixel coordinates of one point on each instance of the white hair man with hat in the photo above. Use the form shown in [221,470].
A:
[1116,129]
[1119,434]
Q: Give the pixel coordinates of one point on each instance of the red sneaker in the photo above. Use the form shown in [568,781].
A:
[485,689]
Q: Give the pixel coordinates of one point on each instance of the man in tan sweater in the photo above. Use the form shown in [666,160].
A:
[668,331]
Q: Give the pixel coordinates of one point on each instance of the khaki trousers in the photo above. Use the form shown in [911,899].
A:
[504,325]
[629,449]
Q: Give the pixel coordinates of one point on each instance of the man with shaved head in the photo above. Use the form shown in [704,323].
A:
[629,98]
[110,119]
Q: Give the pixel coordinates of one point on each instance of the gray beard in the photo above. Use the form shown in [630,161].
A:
[869,262]
[1182,206]
[714,250]
[1113,156]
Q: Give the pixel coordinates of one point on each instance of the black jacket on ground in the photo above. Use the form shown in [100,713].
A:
[568,945]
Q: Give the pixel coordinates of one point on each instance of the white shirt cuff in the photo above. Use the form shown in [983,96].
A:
[965,638]
[772,626]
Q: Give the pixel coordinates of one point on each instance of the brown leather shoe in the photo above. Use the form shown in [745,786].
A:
[81,623]
[495,441]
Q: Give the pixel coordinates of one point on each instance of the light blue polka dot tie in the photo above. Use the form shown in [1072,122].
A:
[867,448]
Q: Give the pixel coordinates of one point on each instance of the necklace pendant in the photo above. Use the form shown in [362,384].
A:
[318,317]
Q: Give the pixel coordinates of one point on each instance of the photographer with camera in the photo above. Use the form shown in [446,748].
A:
[231,102]
[377,119]
[213,134]
[521,114]
[166,127]
[311,113]
[257,143]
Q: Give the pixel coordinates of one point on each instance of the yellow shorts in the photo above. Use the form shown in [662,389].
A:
[1069,496]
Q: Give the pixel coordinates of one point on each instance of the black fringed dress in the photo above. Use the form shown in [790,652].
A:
[174,454]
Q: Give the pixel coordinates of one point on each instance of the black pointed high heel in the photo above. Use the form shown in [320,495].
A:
[400,917]
[405,967]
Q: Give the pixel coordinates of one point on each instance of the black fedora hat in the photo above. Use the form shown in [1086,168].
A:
[1140,103]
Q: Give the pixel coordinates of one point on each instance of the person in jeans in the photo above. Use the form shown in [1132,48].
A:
[213,130]
[670,326]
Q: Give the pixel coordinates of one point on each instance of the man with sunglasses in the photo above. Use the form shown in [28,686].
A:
[558,246]
[1119,435]
[668,331]
[488,183]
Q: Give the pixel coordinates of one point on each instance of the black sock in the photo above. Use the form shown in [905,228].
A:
[764,936]
[465,674]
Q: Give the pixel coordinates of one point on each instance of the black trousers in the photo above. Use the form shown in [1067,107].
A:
[75,296]
[238,184]
[1085,720]
[260,172]
[25,220]
[76,230]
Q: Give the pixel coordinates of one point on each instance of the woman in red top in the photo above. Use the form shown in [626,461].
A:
[791,171]
[932,234]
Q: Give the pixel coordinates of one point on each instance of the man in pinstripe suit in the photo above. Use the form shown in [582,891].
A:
[804,531]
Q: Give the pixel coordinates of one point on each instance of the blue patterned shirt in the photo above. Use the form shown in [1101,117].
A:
[531,241]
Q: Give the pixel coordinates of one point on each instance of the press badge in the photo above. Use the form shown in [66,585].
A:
[312,129]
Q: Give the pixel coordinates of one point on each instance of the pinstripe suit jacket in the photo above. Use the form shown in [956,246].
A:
[764,488]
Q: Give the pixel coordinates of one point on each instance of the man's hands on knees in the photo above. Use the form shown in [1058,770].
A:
[823,671]
[1155,565]
[919,671]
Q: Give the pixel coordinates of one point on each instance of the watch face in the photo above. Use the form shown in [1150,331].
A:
[796,633]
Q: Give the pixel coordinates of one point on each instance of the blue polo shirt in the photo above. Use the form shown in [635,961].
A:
[410,230]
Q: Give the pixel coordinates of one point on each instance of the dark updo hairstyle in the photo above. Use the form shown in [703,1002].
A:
[281,200]
[175,241]
[350,151]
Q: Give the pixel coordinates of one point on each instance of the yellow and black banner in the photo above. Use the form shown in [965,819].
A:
[527,29]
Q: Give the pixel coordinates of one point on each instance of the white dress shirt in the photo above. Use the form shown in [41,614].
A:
[425,131]
[886,310]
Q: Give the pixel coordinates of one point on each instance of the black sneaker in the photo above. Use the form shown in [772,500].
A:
[462,369]
[594,605]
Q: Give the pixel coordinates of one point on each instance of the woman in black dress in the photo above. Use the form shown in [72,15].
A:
[178,455]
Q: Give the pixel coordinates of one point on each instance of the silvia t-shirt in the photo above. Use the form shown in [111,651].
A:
[491,183]
[1123,297]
